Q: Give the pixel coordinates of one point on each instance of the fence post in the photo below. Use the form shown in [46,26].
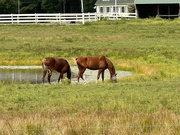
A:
[82,18]
[95,16]
[89,16]
[36,17]
[12,18]
[59,18]
[18,18]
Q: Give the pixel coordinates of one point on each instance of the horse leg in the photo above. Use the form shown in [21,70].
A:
[103,76]
[60,76]
[49,75]
[80,74]
[44,74]
[99,72]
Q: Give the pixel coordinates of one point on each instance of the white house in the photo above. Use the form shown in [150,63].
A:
[111,7]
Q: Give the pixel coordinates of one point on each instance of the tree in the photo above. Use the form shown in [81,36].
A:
[73,6]
[30,6]
[46,6]
[52,6]
[89,5]
[131,8]
[8,6]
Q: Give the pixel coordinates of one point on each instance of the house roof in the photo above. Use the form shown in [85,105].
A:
[156,1]
[112,2]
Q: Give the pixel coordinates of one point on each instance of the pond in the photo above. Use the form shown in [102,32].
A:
[33,74]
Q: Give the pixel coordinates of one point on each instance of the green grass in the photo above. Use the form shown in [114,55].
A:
[142,40]
[144,103]
[123,96]
[150,107]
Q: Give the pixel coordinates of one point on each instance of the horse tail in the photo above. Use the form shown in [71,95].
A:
[45,67]
[68,70]
[69,73]
[43,64]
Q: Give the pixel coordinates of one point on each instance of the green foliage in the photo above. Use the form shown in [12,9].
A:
[66,81]
[51,6]
[8,6]
[45,6]
[131,8]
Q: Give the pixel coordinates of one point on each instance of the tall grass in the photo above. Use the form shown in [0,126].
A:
[110,108]
[145,103]
[109,123]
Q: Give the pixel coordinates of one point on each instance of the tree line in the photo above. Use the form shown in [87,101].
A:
[45,6]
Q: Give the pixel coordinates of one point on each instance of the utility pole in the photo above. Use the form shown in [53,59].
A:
[18,6]
[115,8]
[82,11]
[82,7]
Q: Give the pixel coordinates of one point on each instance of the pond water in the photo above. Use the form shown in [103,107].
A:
[33,74]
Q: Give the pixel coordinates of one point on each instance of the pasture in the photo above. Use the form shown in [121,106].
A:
[144,103]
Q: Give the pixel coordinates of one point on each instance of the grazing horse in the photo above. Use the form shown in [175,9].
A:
[50,65]
[100,63]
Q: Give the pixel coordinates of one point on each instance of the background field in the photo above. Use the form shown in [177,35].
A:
[145,103]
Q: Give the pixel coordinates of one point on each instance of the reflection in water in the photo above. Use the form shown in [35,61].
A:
[33,74]
[21,75]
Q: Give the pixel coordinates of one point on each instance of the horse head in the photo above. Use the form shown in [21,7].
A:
[114,78]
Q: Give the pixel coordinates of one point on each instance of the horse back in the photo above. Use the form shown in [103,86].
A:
[81,61]
[94,63]
[55,64]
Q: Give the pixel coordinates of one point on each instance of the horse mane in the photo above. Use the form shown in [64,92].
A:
[110,65]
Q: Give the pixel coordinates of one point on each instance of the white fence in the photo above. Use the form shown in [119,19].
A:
[114,16]
[60,18]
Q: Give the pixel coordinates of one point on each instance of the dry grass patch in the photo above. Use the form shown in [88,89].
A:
[20,62]
[95,123]
[139,69]
[112,38]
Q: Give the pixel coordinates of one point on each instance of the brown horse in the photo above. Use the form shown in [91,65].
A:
[100,63]
[50,65]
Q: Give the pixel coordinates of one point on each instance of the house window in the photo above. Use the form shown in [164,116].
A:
[114,9]
[101,9]
[122,9]
[108,9]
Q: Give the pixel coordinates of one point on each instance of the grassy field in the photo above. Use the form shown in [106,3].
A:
[145,103]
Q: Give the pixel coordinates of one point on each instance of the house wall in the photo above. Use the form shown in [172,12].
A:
[110,9]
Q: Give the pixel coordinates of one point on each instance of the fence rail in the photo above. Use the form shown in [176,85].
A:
[59,18]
